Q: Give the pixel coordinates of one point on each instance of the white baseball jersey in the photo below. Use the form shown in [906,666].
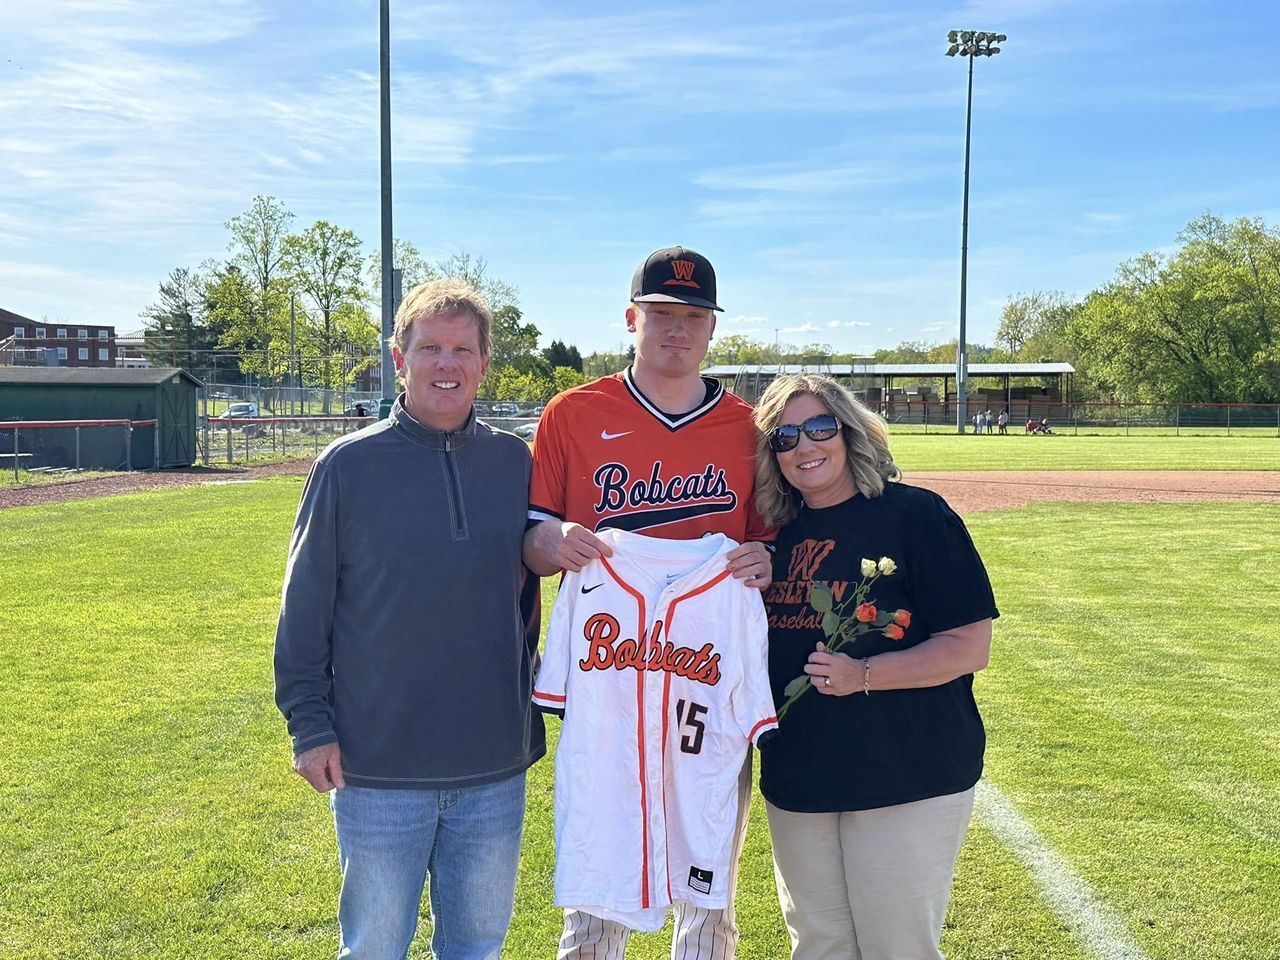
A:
[658,657]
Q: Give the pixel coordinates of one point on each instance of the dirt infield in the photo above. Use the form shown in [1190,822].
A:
[30,494]
[966,492]
[1001,489]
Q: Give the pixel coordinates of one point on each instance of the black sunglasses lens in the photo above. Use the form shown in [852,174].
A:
[783,438]
[821,427]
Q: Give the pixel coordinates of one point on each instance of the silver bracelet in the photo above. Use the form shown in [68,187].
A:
[866,675]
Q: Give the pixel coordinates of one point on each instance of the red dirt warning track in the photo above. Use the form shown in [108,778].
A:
[1001,489]
[966,492]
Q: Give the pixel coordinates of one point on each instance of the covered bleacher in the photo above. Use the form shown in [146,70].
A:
[885,384]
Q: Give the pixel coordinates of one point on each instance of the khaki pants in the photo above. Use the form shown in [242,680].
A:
[868,884]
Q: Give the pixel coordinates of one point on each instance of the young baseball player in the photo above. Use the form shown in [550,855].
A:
[660,450]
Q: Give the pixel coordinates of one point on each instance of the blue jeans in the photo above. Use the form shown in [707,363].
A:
[467,840]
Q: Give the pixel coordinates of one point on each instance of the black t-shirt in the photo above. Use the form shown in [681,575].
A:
[860,751]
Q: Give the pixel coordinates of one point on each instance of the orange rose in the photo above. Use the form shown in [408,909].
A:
[865,612]
[902,618]
[893,632]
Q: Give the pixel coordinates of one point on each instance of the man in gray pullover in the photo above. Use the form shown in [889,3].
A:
[407,642]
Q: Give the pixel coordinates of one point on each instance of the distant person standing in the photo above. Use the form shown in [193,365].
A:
[977,422]
[1003,422]
[990,422]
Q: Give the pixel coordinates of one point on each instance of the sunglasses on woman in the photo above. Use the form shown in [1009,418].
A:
[785,436]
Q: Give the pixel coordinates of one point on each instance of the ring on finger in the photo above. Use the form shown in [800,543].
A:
[826,681]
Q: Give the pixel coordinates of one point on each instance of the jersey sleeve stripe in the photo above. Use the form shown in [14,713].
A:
[768,723]
[542,513]
[538,695]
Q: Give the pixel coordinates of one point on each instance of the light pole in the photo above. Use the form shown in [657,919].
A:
[968,44]
[388,252]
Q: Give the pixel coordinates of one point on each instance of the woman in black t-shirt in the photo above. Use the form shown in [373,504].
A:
[879,615]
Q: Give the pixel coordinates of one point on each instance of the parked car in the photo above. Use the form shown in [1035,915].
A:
[505,409]
[244,408]
[526,431]
[361,408]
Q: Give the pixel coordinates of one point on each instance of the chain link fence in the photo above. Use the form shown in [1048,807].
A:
[919,415]
[34,450]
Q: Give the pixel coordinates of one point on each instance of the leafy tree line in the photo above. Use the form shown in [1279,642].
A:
[1199,325]
[304,306]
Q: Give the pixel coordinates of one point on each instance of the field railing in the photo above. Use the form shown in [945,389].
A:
[912,414]
[58,445]
[244,439]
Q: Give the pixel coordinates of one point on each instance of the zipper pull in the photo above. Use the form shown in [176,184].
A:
[448,440]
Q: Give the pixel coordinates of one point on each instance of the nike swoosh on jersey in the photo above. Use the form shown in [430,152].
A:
[586,589]
[606,435]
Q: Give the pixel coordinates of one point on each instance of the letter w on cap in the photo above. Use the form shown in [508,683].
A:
[683,274]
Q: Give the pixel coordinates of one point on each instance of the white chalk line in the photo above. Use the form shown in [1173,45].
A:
[1068,894]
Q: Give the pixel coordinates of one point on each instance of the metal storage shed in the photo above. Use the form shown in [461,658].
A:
[164,394]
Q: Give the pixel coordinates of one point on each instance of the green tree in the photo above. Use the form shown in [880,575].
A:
[603,363]
[256,319]
[737,349]
[562,378]
[174,331]
[230,312]
[515,343]
[908,351]
[1196,326]
[560,354]
[414,269]
[323,264]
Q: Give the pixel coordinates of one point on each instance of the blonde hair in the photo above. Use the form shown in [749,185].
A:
[866,441]
[445,297]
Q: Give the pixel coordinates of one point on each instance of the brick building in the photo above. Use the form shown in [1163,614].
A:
[73,344]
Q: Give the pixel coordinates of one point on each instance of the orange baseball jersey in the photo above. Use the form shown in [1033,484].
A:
[606,457]
[659,659]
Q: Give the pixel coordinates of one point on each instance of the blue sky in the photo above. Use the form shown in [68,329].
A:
[814,151]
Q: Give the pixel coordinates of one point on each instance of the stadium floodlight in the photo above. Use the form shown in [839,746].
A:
[972,44]
[388,237]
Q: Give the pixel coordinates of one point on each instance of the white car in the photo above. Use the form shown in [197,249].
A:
[242,409]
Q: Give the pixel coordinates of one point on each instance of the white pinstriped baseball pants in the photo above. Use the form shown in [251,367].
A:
[700,934]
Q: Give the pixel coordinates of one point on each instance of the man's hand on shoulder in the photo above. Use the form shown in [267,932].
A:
[752,564]
[552,546]
[321,767]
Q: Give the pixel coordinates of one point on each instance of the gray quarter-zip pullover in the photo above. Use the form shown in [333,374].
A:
[402,635]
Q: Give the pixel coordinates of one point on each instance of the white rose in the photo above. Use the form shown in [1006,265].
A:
[886,566]
[868,567]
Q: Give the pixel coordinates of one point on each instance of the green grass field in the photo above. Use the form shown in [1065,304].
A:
[913,452]
[147,809]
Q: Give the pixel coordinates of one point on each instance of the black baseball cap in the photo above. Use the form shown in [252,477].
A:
[675,275]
